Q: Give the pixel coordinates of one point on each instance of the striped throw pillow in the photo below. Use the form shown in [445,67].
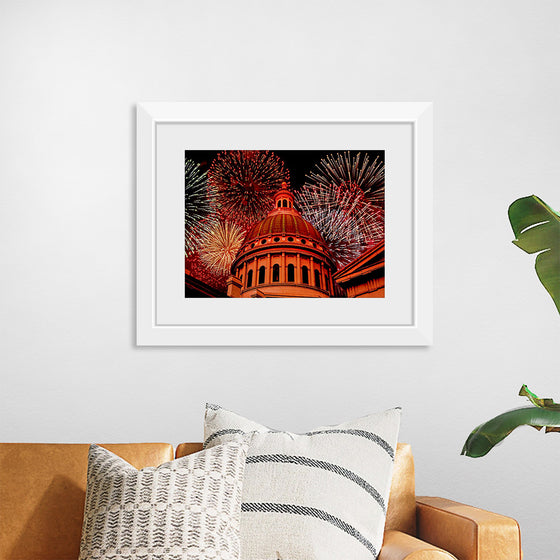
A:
[316,496]
[187,509]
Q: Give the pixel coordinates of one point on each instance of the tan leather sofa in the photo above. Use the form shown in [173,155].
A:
[42,491]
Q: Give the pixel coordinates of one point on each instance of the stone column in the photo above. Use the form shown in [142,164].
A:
[243,273]
[283,271]
[311,272]
[298,269]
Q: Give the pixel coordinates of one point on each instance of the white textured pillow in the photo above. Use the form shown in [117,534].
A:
[187,509]
[315,496]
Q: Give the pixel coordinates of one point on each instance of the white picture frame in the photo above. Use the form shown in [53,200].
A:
[166,318]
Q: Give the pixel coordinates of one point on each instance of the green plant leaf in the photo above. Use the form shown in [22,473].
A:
[536,227]
[483,438]
[537,401]
[544,413]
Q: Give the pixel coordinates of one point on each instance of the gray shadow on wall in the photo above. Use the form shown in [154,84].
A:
[133,221]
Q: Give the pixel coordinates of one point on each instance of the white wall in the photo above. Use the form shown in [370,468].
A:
[71,75]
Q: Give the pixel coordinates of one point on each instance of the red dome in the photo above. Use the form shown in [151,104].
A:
[283,223]
[282,256]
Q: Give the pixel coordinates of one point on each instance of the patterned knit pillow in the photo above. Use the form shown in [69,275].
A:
[316,496]
[187,509]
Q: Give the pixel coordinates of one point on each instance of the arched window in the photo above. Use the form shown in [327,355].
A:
[284,204]
[305,275]
[241,279]
[326,283]
[276,273]
[317,279]
[249,278]
[291,273]
[261,274]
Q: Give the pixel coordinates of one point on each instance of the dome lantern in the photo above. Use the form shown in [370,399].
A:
[284,198]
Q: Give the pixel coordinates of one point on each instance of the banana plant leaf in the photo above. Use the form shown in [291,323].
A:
[544,413]
[536,227]
[537,401]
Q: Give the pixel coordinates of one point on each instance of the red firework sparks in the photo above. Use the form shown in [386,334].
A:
[195,267]
[246,181]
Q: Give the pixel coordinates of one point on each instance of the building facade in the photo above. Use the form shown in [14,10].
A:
[364,277]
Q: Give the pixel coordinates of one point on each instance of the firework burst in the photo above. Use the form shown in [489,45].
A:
[340,235]
[344,217]
[245,181]
[196,268]
[199,204]
[219,246]
[353,171]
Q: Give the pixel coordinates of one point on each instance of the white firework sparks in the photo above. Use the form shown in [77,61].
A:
[199,204]
[343,216]
[342,168]
[219,246]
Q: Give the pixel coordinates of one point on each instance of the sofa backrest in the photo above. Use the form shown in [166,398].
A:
[42,494]
[401,510]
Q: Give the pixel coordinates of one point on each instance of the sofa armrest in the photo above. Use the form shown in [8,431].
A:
[467,532]
[401,546]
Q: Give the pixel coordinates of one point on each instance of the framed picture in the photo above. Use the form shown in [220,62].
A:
[284,224]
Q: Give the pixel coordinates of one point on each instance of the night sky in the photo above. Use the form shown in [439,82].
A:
[298,162]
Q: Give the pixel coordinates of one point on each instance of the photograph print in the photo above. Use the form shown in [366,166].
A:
[284,224]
